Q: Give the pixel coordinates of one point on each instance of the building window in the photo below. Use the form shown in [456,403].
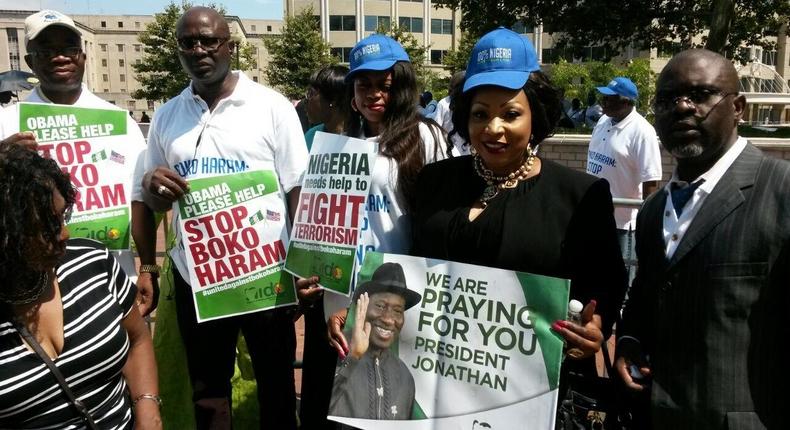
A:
[252,27]
[123,90]
[254,79]
[121,63]
[769,58]
[343,54]
[442,26]
[342,23]
[105,78]
[412,24]
[150,105]
[104,24]
[104,62]
[137,48]
[131,105]
[138,61]
[137,24]
[13,48]
[123,77]
[120,24]
[269,28]
[413,1]
[120,47]
[437,56]
[103,47]
[106,90]
[522,28]
[373,22]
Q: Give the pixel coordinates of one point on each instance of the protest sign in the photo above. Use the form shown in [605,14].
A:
[233,230]
[90,145]
[478,347]
[331,210]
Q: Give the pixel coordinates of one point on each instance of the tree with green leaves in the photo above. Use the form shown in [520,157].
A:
[160,74]
[457,59]
[296,54]
[579,79]
[720,25]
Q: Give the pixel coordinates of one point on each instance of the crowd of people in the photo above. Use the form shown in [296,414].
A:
[700,329]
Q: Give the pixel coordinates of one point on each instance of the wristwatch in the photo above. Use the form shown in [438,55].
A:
[153,269]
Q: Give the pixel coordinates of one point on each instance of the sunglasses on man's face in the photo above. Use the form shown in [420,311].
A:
[209,44]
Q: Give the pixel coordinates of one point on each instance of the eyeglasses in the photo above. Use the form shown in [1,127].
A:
[209,44]
[48,53]
[694,98]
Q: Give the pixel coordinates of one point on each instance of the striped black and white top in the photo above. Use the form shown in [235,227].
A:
[96,296]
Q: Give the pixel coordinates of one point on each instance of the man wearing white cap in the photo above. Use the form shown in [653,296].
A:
[55,55]
[624,151]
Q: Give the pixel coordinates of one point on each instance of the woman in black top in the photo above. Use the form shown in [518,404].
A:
[505,207]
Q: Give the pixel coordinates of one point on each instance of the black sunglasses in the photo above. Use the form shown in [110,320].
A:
[209,44]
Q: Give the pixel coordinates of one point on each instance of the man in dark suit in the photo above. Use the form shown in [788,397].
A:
[705,320]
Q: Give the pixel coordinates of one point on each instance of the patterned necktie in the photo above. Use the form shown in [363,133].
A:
[682,193]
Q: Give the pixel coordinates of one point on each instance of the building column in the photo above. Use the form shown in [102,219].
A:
[324,14]
[539,42]
[360,19]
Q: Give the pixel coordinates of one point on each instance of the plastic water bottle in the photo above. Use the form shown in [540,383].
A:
[575,311]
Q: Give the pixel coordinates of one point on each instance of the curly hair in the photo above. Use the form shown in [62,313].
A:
[28,220]
[545,102]
[400,137]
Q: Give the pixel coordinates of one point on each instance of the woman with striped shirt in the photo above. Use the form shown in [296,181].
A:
[77,303]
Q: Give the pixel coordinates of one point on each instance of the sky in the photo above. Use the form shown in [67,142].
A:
[253,9]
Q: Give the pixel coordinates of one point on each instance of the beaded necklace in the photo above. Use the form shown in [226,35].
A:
[495,183]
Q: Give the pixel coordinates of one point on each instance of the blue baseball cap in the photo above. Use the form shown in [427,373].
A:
[620,86]
[375,52]
[503,58]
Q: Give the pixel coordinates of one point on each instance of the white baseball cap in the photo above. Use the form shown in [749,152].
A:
[36,23]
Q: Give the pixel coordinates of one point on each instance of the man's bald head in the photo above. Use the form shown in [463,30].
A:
[705,59]
[206,15]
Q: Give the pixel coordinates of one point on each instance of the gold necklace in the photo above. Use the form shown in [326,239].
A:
[495,183]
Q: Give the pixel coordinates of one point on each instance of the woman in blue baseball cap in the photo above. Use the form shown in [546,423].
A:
[382,93]
[506,207]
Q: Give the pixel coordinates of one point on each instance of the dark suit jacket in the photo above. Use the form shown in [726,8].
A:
[713,319]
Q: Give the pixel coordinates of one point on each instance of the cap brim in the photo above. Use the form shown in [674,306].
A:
[508,79]
[411,297]
[373,65]
[33,36]
[606,91]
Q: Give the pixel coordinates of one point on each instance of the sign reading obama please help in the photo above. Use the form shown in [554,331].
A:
[233,230]
[92,147]
[465,345]
[331,210]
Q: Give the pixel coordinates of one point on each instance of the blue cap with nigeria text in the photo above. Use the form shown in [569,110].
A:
[502,58]
[375,52]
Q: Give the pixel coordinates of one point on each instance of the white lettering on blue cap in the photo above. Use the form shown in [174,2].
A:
[612,83]
[374,48]
[494,54]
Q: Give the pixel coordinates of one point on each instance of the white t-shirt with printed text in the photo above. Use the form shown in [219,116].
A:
[254,128]
[625,154]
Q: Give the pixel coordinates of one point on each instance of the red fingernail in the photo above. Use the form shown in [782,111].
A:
[594,302]
[342,356]
[556,326]
[561,323]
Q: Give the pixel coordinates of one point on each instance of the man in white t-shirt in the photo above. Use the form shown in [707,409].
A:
[624,150]
[220,124]
[53,44]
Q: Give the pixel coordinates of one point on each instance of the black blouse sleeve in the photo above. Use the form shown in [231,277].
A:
[594,257]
